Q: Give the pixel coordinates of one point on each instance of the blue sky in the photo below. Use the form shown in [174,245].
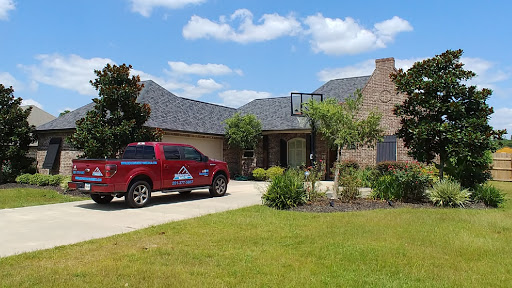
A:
[230,52]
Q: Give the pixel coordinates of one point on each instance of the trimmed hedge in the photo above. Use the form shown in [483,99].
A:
[40,179]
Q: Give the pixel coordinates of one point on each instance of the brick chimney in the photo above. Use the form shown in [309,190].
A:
[385,64]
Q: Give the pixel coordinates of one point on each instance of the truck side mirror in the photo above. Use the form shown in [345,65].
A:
[204,158]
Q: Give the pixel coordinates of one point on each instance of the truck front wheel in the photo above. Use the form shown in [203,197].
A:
[138,195]
[101,199]
[219,186]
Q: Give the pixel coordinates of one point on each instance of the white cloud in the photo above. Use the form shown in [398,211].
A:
[487,72]
[8,80]
[201,69]
[72,72]
[5,7]
[502,119]
[271,26]
[33,102]
[145,7]
[338,36]
[237,98]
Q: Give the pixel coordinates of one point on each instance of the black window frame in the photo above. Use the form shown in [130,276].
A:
[178,149]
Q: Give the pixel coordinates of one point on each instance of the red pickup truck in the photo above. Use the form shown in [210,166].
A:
[146,167]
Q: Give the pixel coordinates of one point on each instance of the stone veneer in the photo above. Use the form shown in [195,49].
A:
[63,164]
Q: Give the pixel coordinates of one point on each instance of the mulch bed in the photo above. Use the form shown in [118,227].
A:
[325,206]
[55,188]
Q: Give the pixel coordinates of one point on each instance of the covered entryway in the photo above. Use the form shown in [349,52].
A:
[210,146]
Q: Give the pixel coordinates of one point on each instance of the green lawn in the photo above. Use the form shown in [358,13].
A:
[261,247]
[23,197]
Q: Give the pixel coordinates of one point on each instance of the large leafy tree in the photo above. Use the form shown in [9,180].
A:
[343,125]
[15,135]
[445,119]
[117,119]
[243,132]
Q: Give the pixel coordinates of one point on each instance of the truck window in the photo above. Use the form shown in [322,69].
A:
[139,152]
[172,153]
[191,154]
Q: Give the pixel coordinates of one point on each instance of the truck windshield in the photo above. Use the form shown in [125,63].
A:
[139,152]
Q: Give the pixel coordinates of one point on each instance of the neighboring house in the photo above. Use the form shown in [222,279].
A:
[37,117]
[286,138]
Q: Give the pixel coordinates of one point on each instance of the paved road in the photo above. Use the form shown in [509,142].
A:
[40,227]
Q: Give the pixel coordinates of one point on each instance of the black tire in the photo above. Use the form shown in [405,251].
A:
[138,195]
[102,198]
[219,186]
[185,192]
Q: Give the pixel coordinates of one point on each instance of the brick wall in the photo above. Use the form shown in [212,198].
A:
[63,164]
[380,94]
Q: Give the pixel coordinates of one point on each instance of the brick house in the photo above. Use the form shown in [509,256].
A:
[286,139]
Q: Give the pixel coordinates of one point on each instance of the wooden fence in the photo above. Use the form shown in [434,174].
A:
[502,166]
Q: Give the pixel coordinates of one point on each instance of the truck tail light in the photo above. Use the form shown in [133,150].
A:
[110,170]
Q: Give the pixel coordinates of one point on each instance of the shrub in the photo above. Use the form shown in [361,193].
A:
[41,180]
[367,176]
[348,164]
[386,166]
[489,195]
[315,173]
[449,193]
[286,191]
[23,179]
[274,171]
[386,187]
[259,174]
[350,183]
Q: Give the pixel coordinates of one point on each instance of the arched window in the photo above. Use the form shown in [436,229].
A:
[296,152]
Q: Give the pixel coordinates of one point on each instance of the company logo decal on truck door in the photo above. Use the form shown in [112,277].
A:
[183,174]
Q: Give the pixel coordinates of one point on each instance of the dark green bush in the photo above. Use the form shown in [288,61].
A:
[286,191]
[348,164]
[489,195]
[406,182]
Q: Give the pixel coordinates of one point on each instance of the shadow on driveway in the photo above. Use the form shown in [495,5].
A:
[157,199]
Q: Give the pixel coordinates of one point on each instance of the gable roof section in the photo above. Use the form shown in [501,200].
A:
[38,116]
[342,88]
[168,112]
[275,113]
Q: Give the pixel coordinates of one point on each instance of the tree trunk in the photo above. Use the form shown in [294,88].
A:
[336,174]
[441,166]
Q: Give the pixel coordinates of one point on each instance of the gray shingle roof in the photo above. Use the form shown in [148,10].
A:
[170,112]
[342,88]
[275,113]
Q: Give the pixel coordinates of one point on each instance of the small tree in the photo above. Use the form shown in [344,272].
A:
[442,117]
[342,125]
[117,119]
[243,132]
[15,135]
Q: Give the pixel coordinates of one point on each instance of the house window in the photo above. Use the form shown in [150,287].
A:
[386,150]
[296,152]
[248,154]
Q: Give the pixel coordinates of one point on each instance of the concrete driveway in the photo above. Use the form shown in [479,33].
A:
[40,227]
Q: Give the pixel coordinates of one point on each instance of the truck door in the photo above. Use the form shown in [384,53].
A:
[172,164]
[195,166]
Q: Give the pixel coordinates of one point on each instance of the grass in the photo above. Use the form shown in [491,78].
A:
[23,197]
[261,247]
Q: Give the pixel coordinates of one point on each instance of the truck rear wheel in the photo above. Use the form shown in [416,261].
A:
[138,195]
[101,199]
[219,186]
